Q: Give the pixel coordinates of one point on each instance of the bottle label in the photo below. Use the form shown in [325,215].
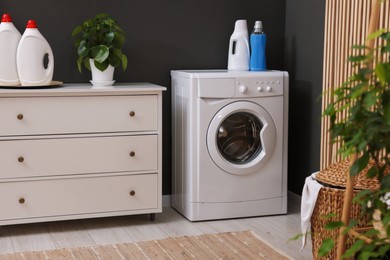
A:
[258,58]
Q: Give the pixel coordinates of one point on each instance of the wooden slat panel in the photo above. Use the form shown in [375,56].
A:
[346,24]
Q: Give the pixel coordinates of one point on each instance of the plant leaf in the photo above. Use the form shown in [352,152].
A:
[82,51]
[119,39]
[357,58]
[109,37]
[325,247]
[383,250]
[334,225]
[87,64]
[370,99]
[79,62]
[330,215]
[359,164]
[329,110]
[386,107]
[376,34]
[385,49]
[100,53]
[115,60]
[382,73]
[372,172]
[386,182]
[359,47]
[77,30]
[296,237]
[124,62]
[101,66]
[353,249]
[386,36]
[101,15]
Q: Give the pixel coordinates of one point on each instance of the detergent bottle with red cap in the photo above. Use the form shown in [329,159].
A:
[34,58]
[9,40]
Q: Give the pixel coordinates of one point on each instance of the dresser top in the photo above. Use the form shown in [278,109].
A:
[84,89]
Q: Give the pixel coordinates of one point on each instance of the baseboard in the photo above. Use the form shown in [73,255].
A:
[166,201]
[293,197]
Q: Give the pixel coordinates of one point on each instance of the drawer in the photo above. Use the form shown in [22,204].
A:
[60,156]
[90,114]
[61,197]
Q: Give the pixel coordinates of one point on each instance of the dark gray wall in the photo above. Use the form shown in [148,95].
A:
[161,36]
[303,60]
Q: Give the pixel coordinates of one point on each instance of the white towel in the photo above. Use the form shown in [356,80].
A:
[309,198]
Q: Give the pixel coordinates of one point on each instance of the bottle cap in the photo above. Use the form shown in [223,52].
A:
[240,26]
[31,24]
[6,18]
[259,25]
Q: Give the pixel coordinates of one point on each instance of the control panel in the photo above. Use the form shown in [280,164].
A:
[258,87]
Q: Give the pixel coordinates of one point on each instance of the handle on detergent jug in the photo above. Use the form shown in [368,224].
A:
[50,61]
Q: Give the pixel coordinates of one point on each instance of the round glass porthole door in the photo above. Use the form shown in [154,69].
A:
[241,137]
[238,137]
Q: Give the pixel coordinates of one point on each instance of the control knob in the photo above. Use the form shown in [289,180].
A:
[268,88]
[243,89]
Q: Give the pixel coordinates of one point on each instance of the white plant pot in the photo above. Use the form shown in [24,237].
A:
[102,78]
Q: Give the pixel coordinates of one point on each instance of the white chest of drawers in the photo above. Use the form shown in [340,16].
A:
[78,152]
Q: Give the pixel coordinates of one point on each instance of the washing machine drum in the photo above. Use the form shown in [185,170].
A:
[241,137]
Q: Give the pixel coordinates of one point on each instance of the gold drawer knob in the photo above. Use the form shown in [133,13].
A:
[20,116]
[22,200]
[132,193]
[132,113]
[21,159]
[132,154]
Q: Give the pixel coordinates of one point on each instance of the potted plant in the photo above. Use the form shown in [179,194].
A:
[99,43]
[365,131]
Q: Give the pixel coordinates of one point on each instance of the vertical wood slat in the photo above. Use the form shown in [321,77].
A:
[346,24]
[325,148]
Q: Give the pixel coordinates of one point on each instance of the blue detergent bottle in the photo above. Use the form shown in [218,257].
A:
[258,41]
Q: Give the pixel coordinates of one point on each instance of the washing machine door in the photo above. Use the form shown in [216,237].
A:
[241,137]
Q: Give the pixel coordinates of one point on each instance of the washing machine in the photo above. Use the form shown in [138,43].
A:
[229,143]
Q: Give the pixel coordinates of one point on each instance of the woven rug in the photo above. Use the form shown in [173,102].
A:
[229,245]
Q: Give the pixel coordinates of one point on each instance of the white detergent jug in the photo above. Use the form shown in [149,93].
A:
[239,53]
[32,51]
[9,40]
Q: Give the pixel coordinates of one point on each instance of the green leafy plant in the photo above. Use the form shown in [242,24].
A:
[365,130]
[101,39]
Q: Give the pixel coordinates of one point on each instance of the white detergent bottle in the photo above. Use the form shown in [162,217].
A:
[239,53]
[9,40]
[34,58]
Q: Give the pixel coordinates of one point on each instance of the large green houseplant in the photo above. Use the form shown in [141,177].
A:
[99,39]
[365,131]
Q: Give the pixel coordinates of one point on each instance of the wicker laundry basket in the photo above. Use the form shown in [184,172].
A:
[330,200]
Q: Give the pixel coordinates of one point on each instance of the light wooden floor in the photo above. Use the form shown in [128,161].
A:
[276,230]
